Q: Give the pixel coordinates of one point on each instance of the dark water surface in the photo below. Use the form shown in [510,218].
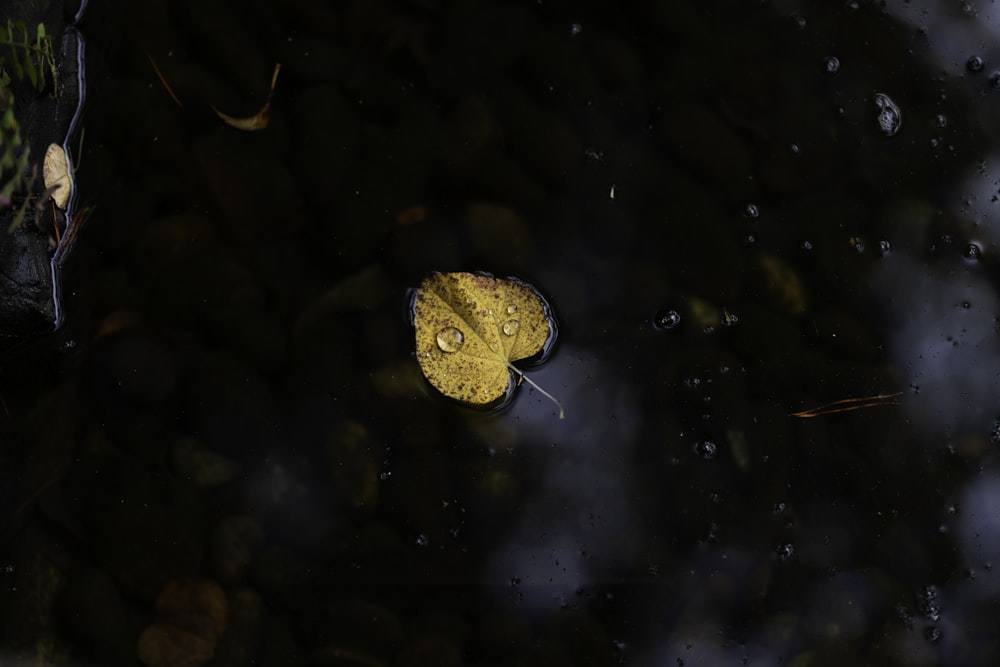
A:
[738,211]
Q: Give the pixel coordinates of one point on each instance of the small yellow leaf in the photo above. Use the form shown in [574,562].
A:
[259,120]
[470,327]
[56,175]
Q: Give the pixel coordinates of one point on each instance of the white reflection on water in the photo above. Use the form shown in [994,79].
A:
[979,531]
[579,527]
[942,336]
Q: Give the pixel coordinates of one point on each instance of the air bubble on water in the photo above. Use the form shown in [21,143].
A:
[575,29]
[807,246]
[728,319]
[706,449]
[831,65]
[450,339]
[995,80]
[932,634]
[941,121]
[928,604]
[972,252]
[890,117]
[422,540]
[666,319]
[974,63]
[785,552]
[751,211]
[511,327]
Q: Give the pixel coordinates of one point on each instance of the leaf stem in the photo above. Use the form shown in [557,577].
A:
[562,414]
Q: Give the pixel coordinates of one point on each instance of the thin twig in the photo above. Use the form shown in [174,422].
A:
[166,85]
[849,404]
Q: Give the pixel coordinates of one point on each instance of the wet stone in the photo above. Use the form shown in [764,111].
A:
[355,461]
[357,626]
[234,544]
[162,645]
[191,614]
[241,642]
[93,611]
[200,465]
[133,370]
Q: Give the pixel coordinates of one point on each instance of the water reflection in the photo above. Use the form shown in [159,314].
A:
[941,328]
[577,527]
[764,249]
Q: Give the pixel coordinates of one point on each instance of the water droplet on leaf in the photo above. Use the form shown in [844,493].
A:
[511,309]
[450,339]
[511,327]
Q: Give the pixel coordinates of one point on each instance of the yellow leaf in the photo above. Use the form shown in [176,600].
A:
[470,327]
[56,175]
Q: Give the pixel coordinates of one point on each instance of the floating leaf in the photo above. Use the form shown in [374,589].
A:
[471,327]
[56,175]
[260,119]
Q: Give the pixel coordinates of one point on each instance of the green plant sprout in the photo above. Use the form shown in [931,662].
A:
[31,59]
[24,55]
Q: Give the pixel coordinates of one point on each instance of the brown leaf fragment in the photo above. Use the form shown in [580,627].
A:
[259,120]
